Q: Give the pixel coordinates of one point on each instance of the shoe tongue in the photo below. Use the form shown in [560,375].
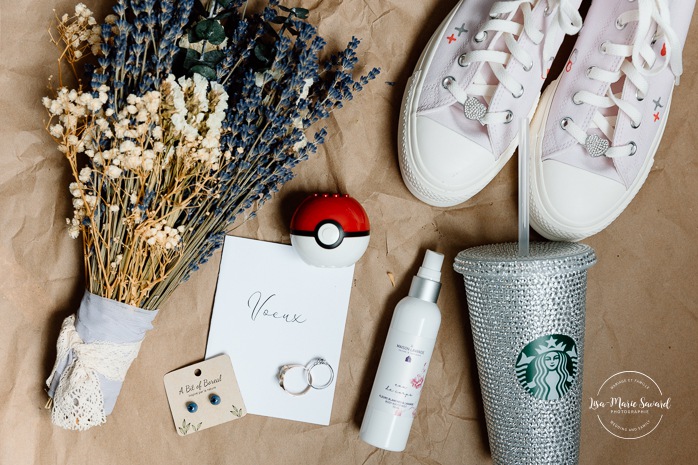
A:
[485,74]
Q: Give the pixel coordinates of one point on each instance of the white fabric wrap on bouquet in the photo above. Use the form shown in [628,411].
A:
[95,349]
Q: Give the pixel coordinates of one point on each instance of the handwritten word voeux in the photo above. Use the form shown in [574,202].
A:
[259,307]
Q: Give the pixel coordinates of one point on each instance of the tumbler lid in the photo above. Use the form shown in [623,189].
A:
[545,258]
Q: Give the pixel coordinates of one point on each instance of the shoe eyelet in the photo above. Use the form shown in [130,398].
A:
[519,94]
[620,25]
[548,11]
[497,16]
[510,117]
[632,124]
[461,61]
[588,71]
[633,150]
[480,36]
[529,67]
[564,122]
[447,81]
[575,99]
[639,97]
[603,48]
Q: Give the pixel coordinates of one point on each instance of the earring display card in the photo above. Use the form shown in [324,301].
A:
[191,392]
[272,309]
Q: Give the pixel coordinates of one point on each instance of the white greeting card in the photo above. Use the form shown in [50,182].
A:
[272,309]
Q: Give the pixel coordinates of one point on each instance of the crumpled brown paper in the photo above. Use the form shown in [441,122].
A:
[642,307]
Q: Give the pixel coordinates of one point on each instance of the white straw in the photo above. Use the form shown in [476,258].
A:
[523,188]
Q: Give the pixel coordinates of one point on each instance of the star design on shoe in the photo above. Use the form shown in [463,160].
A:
[461,29]
[596,146]
[656,117]
[451,38]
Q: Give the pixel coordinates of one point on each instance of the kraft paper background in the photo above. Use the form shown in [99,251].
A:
[642,298]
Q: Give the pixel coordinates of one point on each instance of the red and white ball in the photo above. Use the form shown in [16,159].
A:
[330,230]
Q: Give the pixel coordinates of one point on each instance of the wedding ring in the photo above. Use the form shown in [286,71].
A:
[314,364]
[282,373]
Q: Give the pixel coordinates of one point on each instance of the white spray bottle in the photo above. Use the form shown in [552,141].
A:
[399,381]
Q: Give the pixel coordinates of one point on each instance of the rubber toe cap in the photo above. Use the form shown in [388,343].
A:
[447,160]
[579,198]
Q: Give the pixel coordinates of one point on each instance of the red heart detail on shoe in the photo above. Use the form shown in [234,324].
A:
[664,50]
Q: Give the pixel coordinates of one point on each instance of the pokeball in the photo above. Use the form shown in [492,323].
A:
[330,230]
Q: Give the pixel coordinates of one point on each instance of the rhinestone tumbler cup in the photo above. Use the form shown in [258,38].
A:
[527,317]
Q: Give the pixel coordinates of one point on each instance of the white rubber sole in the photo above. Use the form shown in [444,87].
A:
[544,218]
[411,167]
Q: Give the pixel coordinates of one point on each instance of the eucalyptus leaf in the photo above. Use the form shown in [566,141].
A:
[224,3]
[278,20]
[212,58]
[283,8]
[270,30]
[210,30]
[206,71]
[191,35]
[224,14]
[263,53]
[292,30]
[300,13]
[191,58]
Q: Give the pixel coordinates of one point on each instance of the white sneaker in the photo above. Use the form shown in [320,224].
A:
[598,126]
[482,70]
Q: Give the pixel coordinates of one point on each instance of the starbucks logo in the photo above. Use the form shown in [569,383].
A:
[547,366]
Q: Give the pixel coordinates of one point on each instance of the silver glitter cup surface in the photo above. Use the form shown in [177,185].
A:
[527,318]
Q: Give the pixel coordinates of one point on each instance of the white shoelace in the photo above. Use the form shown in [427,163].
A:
[568,21]
[640,60]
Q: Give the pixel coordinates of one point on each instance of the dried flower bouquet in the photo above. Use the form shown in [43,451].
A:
[186,117]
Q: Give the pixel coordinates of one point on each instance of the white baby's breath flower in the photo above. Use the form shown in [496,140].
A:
[132,162]
[114,171]
[114,208]
[56,131]
[85,174]
[127,146]
[91,200]
[75,190]
[74,231]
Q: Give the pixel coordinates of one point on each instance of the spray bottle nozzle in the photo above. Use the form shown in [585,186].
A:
[431,266]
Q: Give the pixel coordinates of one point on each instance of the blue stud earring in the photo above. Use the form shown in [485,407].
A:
[214,399]
[192,407]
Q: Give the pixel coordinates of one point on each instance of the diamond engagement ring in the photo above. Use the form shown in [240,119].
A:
[314,364]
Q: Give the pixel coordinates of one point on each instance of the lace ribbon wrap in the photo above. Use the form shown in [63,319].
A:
[95,350]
